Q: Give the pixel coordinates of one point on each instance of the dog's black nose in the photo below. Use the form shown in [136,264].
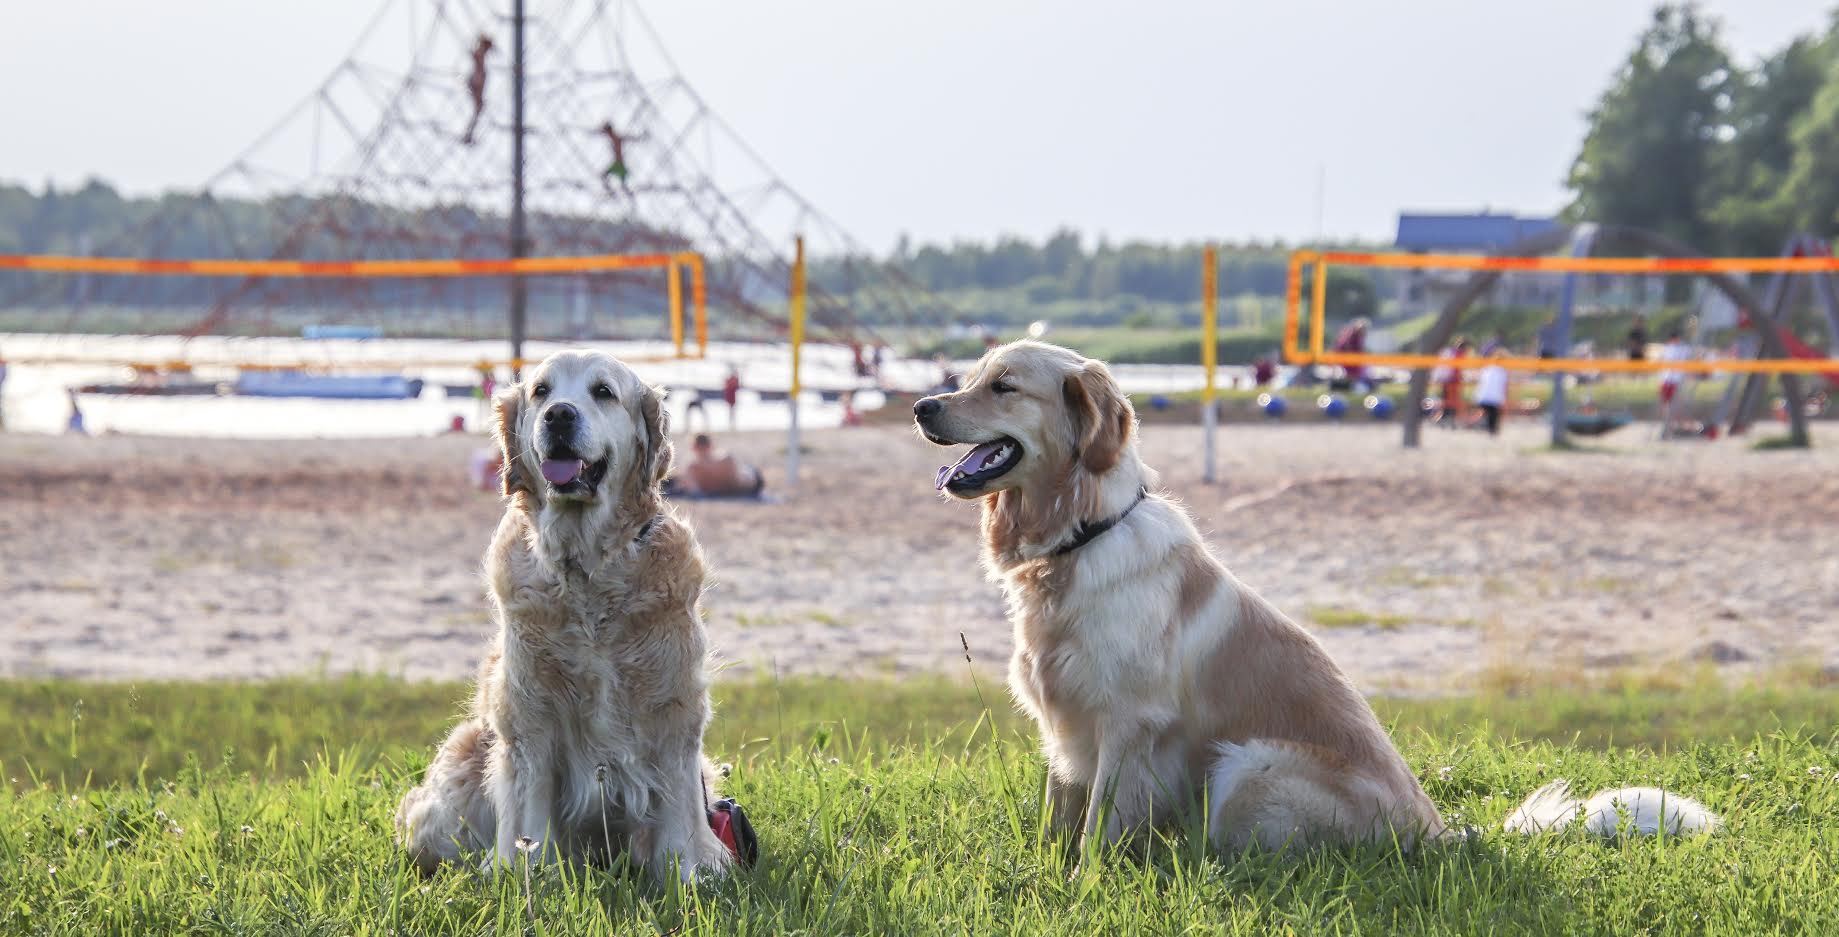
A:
[927,408]
[561,414]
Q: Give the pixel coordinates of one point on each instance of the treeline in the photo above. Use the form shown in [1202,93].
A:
[1066,280]
[1730,157]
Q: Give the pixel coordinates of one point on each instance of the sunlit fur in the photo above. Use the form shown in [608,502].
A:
[585,736]
[1157,679]
[1643,811]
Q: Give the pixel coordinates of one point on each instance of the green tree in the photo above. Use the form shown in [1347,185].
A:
[1810,191]
[1753,209]
[1647,158]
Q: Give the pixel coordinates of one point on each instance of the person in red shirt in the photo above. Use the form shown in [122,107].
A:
[1353,340]
[731,392]
[1451,379]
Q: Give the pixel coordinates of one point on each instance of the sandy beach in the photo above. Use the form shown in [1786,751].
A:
[137,557]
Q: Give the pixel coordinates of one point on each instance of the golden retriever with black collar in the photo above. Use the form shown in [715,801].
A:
[586,733]
[1160,683]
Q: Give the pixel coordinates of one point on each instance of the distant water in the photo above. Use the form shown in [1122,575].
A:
[34,395]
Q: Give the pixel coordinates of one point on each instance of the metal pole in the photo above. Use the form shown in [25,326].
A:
[797,334]
[518,245]
[1581,242]
[675,290]
[1209,351]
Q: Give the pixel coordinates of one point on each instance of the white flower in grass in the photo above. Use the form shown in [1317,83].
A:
[1443,773]
[51,870]
[1815,770]
[177,830]
[111,844]
[247,829]
[525,844]
[81,832]
[1744,776]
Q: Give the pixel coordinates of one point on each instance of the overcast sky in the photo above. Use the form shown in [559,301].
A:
[952,118]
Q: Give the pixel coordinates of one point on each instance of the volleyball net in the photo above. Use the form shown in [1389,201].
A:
[567,297]
[1309,316]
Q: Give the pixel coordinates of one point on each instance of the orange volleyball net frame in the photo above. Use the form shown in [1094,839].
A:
[674,263]
[1317,263]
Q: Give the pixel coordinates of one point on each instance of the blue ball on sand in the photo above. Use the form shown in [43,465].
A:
[1333,406]
[1272,405]
[1379,408]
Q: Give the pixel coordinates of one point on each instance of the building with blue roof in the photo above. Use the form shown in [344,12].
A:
[1421,291]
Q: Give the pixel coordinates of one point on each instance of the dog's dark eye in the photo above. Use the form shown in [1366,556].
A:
[604,392]
[540,391]
[1002,387]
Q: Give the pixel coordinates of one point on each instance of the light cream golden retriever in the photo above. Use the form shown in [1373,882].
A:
[1160,683]
[585,738]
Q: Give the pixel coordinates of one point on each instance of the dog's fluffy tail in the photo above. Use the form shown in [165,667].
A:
[1643,811]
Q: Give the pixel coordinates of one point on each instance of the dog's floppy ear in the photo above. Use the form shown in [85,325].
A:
[1101,415]
[513,474]
[654,452]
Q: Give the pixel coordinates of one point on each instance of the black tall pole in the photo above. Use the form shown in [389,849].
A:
[518,245]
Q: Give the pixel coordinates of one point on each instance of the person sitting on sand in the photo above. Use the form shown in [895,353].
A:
[717,474]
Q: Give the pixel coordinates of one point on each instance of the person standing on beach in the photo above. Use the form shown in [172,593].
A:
[1674,350]
[731,394]
[1637,339]
[1491,392]
[75,425]
[1352,340]
[1451,380]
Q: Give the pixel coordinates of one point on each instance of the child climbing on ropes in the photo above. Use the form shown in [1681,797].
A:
[475,85]
[617,169]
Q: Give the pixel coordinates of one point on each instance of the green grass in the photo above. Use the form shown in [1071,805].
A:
[1336,616]
[265,808]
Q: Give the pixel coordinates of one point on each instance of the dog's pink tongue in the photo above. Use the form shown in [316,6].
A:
[562,471]
[972,461]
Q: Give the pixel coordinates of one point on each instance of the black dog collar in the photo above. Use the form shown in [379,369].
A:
[1088,531]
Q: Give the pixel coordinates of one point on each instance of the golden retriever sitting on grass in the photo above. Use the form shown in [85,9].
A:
[1153,674]
[585,738]
[1161,685]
